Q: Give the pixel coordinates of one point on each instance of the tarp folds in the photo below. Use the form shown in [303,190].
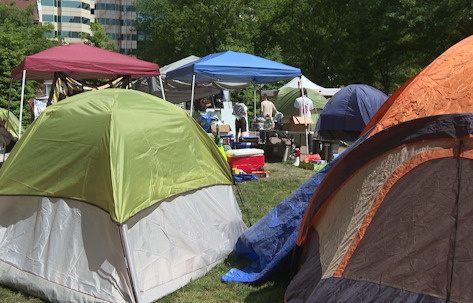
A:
[270,242]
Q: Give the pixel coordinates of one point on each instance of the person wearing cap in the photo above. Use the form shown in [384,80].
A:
[239,111]
[6,138]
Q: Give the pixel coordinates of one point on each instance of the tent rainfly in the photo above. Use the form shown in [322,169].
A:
[114,196]
[348,111]
[79,61]
[391,220]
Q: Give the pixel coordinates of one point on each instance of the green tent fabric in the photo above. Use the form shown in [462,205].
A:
[12,121]
[287,95]
[121,150]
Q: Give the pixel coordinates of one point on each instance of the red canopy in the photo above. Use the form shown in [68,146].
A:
[81,61]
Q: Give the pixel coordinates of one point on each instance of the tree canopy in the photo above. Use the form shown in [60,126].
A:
[334,42]
[19,37]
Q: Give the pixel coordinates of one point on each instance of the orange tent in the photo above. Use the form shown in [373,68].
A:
[392,219]
[443,87]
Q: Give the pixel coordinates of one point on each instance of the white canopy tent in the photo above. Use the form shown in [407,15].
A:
[306,83]
[176,91]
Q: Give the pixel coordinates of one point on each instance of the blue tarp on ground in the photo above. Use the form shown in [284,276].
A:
[269,243]
[232,66]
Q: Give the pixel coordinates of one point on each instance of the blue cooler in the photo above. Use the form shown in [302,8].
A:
[240,145]
[251,139]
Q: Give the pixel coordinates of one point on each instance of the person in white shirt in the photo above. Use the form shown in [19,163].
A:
[304,105]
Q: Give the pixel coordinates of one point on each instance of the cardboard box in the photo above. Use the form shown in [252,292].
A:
[296,124]
[222,128]
[261,174]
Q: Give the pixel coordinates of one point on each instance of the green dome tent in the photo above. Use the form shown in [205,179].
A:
[12,121]
[128,195]
[287,95]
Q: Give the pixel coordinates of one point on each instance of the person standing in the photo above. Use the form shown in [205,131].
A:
[304,106]
[239,111]
[267,109]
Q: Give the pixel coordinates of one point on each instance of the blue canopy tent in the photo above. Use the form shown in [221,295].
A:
[346,114]
[232,66]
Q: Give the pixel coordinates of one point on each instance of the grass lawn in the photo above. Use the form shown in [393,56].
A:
[260,196]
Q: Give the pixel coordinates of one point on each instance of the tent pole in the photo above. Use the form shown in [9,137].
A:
[123,230]
[162,88]
[192,94]
[21,101]
[254,109]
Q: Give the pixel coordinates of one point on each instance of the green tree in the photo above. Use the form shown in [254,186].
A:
[19,37]
[176,29]
[98,37]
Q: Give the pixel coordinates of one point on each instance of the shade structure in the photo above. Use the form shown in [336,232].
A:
[232,66]
[114,196]
[81,61]
[390,221]
[306,83]
[442,87]
[177,91]
[348,111]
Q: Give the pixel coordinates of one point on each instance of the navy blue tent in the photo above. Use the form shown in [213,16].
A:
[233,67]
[346,114]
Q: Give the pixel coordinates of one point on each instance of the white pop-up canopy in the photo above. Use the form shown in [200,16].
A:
[306,83]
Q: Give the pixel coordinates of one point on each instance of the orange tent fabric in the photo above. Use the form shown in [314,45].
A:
[443,87]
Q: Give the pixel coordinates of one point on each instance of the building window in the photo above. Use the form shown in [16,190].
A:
[48,18]
[86,6]
[85,21]
[71,19]
[47,2]
[70,34]
[71,4]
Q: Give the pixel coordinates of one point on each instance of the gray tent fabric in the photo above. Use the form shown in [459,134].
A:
[177,91]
